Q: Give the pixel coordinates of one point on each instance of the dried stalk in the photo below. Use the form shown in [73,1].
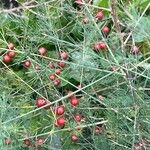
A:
[116,21]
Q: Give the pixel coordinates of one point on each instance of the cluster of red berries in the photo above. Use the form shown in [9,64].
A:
[98,16]
[74,101]
[99,45]
[27,63]
[61,64]
[8,57]
[26,142]
[60,110]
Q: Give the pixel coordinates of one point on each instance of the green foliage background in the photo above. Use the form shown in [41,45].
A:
[57,25]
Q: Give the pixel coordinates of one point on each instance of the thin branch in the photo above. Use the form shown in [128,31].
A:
[116,21]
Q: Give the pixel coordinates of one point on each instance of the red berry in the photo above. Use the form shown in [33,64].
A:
[57,82]
[8,141]
[98,130]
[52,77]
[96,46]
[12,54]
[27,63]
[40,102]
[51,65]
[27,142]
[61,64]
[60,122]
[85,20]
[64,55]
[74,138]
[74,101]
[77,117]
[42,50]
[10,46]
[72,97]
[105,29]
[57,71]
[99,15]
[135,50]
[60,110]
[6,58]
[39,141]
[102,45]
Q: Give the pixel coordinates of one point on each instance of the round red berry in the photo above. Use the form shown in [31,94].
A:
[39,141]
[52,77]
[74,101]
[60,110]
[51,65]
[27,63]
[105,29]
[98,130]
[64,55]
[12,54]
[27,142]
[40,102]
[57,71]
[61,64]
[57,82]
[74,138]
[99,15]
[10,46]
[102,45]
[77,117]
[96,46]
[42,50]
[6,58]
[60,122]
